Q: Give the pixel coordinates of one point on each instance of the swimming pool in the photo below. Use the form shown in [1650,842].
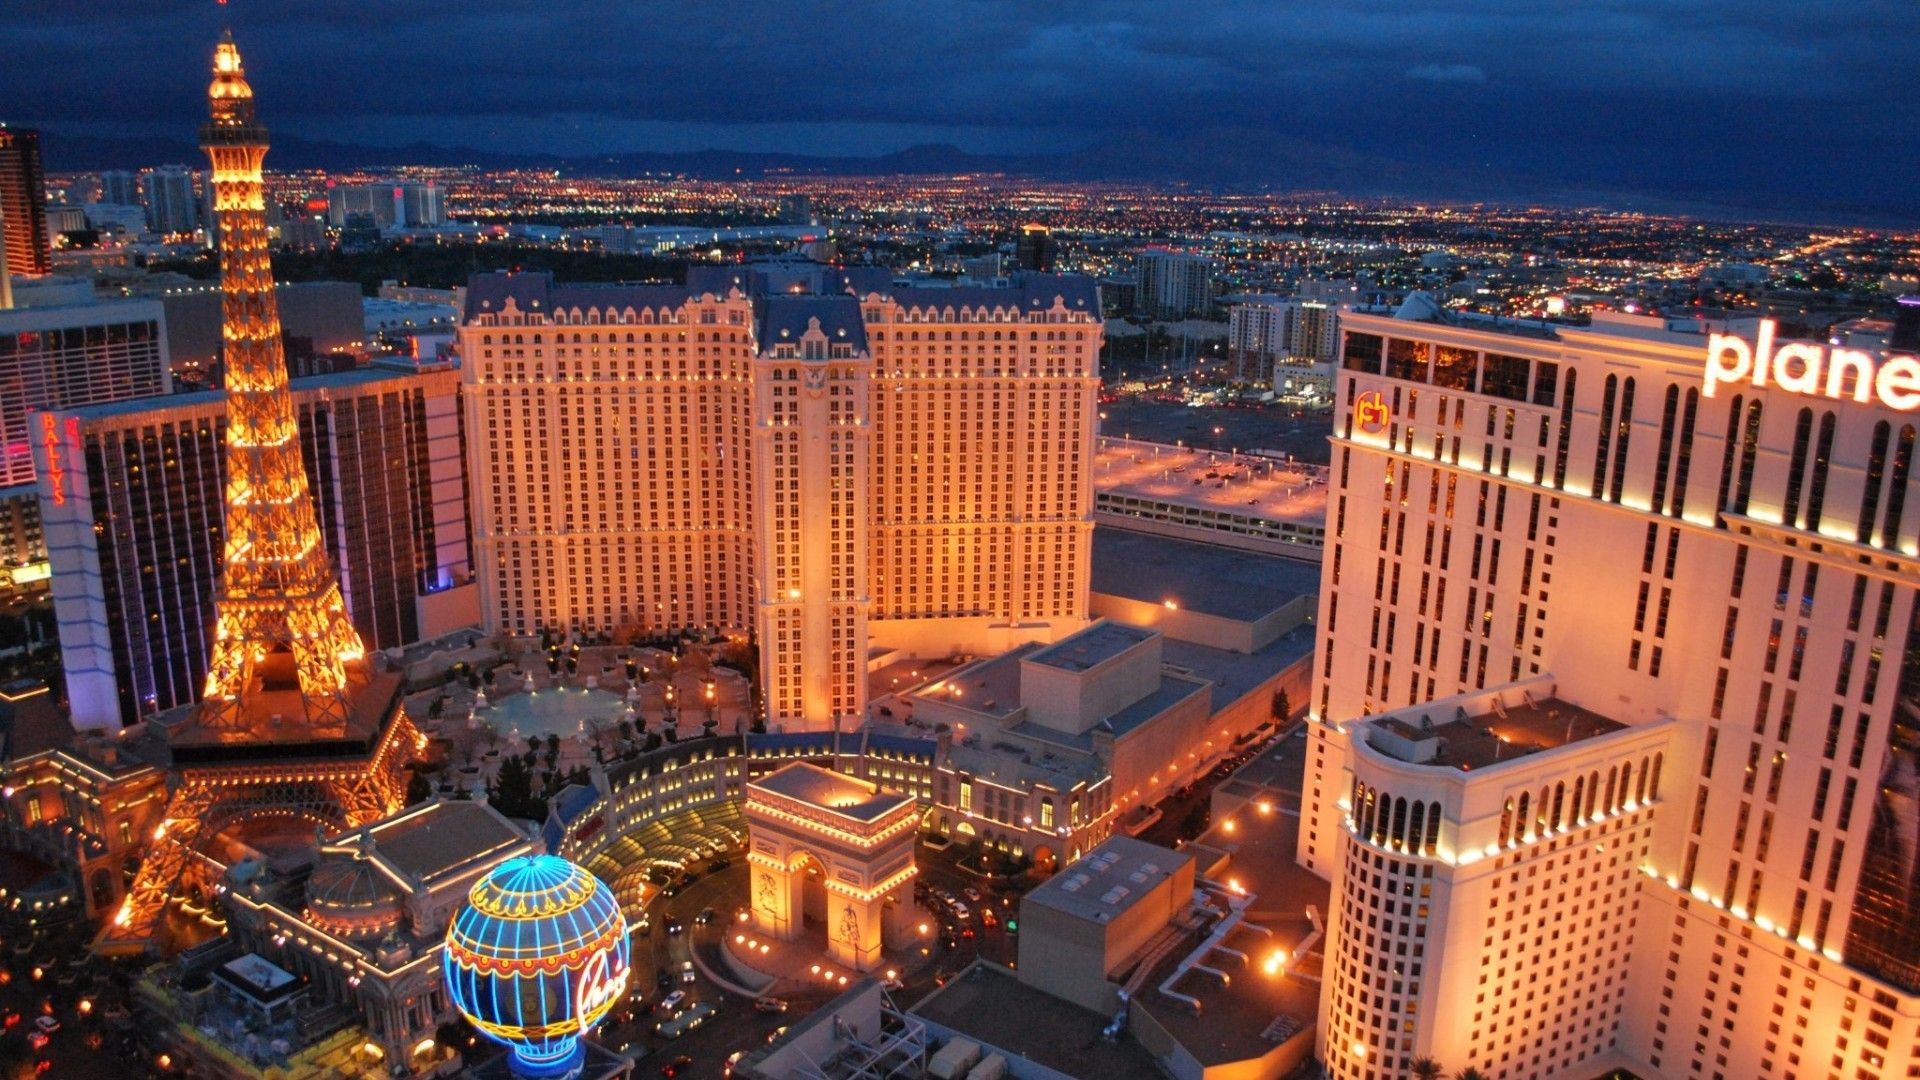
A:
[551,712]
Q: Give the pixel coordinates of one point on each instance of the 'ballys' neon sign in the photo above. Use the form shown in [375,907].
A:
[1806,367]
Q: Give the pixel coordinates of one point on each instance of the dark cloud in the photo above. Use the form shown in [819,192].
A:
[1624,92]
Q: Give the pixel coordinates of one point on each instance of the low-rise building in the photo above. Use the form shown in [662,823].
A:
[87,810]
[1245,501]
[366,927]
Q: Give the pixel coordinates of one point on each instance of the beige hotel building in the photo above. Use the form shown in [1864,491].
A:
[845,466]
[1615,737]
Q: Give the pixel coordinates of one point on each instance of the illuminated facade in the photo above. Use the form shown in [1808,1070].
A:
[1728,576]
[807,825]
[132,498]
[839,464]
[292,725]
[367,926]
[536,959]
[64,357]
[88,809]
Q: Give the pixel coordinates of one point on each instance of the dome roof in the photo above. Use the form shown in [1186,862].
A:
[349,895]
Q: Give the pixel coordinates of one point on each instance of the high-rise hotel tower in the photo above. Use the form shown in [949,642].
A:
[837,463]
[1615,745]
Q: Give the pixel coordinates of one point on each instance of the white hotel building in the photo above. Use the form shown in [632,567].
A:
[1615,744]
[843,465]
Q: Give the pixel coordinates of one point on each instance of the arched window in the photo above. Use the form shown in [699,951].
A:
[1506,822]
[1876,473]
[1566,428]
[1727,451]
[1749,456]
[1416,825]
[1575,810]
[1604,446]
[1593,791]
[1520,826]
[1653,782]
[1897,489]
[1797,464]
[1613,779]
[1625,434]
[1559,803]
[1433,827]
[1822,459]
[1662,466]
[1640,783]
[1684,466]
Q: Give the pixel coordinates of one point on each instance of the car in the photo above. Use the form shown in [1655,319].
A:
[674,925]
[948,943]
[676,1066]
[12,1018]
[971,893]
[48,1024]
[989,918]
[892,983]
[36,1039]
[732,1060]
[718,865]
[705,917]
[664,982]
[671,890]
[966,932]
[770,1004]
[672,1001]
[962,911]
[687,974]
[774,1035]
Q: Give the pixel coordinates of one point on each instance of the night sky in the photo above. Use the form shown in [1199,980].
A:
[1799,102]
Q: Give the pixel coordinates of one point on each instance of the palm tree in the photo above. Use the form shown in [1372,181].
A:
[1425,1068]
[1469,1073]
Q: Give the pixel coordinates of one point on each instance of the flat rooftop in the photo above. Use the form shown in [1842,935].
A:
[1109,879]
[987,1003]
[1259,487]
[1227,583]
[843,794]
[439,838]
[1091,647]
[1475,742]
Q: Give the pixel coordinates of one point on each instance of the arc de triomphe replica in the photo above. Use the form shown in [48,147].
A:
[805,821]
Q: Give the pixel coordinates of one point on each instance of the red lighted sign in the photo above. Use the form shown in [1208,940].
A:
[56,474]
[1370,412]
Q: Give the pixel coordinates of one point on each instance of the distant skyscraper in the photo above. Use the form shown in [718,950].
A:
[23,202]
[132,497]
[119,188]
[408,204]
[796,209]
[1259,332]
[1314,329]
[1172,284]
[836,462]
[171,205]
[1616,714]
[1035,249]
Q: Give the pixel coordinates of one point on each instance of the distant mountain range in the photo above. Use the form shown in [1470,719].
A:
[1210,158]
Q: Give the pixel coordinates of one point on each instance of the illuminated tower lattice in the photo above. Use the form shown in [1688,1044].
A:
[282,625]
[293,725]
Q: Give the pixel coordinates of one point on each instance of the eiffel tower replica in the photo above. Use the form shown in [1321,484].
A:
[292,723]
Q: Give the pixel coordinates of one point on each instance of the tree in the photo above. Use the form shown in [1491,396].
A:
[419,788]
[1469,1073]
[1282,706]
[512,791]
[1425,1068]
[1195,822]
